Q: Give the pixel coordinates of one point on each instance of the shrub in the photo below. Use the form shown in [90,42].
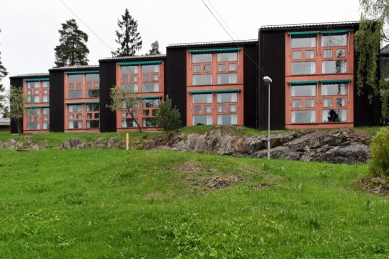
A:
[379,151]
[167,117]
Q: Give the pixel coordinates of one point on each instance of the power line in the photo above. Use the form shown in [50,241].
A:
[247,54]
[86,25]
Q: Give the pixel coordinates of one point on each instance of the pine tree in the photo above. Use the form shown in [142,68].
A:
[72,49]
[3,73]
[167,117]
[128,36]
[154,48]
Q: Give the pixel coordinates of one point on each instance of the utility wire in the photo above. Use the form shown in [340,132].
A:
[86,26]
[247,54]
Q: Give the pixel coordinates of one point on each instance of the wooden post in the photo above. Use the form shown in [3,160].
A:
[127,141]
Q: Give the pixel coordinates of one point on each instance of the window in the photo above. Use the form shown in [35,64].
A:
[303,55]
[302,103]
[38,91]
[227,60]
[140,78]
[83,116]
[335,97]
[38,118]
[83,85]
[334,54]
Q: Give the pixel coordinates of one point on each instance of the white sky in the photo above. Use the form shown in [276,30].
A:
[30,27]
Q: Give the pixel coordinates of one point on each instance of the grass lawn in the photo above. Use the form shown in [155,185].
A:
[158,204]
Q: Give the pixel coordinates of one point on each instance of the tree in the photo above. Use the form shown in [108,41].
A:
[3,73]
[371,32]
[128,36]
[154,48]
[16,98]
[167,117]
[125,99]
[72,49]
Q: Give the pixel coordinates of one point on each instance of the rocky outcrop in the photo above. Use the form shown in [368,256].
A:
[333,146]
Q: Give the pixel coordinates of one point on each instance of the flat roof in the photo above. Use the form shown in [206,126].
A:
[211,43]
[308,25]
[159,56]
[77,67]
[30,75]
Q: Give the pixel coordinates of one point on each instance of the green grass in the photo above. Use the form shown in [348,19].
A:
[149,204]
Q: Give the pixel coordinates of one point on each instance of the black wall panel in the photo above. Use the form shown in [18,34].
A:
[107,81]
[57,103]
[272,64]
[17,82]
[175,85]
[250,78]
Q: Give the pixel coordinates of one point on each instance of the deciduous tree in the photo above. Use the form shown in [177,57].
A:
[3,73]
[72,49]
[16,98]
[128,36]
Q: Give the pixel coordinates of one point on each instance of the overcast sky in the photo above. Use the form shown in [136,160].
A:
[30,27]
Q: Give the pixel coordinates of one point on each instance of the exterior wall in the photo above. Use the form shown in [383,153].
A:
[175,85]
[250,81]
[57,101]
[17,82]
[272,64]
[107,81]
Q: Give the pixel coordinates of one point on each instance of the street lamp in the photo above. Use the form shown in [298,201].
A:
[267,80]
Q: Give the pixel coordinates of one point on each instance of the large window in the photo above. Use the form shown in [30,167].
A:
[37,104]
[38,91]
[303,102]
[38,118]
[141,78]
[83,115]
[303,52]
[83,86]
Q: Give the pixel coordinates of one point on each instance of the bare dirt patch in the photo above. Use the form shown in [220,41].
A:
[188,167]
[218,182]
[377,185]
[262,186]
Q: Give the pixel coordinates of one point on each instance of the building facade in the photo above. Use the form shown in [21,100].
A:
[212,83]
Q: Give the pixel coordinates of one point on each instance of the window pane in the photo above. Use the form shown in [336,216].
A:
[133,78]
[227,97]
[33,99]
[92,107]
[338,66]
[201,79]
[45,84]
[309,103]
[327,102]
[221,108]
[92,77]
[304,42]
[202,98]
[150,87]
[222,67]
[296,103]
[33,126]
[124,79]
[97,85]
[207,68]
[207,108]
[45,98]
[227,78]
[154,77]
[340,102]
[150,103]
[309,54]
[74,78]
[196,69]
[303,90]
[89,85]
[146,78]
[334,115]
[78,86]
[46,125]
[227,119]
[303,116]
[129,123]
[197,109]
[202,120]
[148,122]
[129,69]
[146,112]
[303,68]
[231,67]
[75,124]
[46,110]
[129,88]
[198,58]
[334,40]
[75,108]
[328,53]
[297,54]
[74,94]
[32,111]
[334,89]
[32,84]
[340,53]
[232,108]
[227,56]
[92,123]
[150,68]
[71,86]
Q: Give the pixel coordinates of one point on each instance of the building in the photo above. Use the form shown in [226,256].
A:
[213,83]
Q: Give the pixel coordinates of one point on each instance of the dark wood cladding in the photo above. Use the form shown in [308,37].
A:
[57,102]
[107,81]
[365,113]
[175,85]
[272,64]
[250,78]
[17,82]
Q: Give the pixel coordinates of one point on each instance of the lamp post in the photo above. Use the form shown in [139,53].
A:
[267,80]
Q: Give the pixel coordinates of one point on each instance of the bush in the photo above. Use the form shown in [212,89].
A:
[167,117]
[379,151]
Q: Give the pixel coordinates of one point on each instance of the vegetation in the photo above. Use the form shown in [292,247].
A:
[167,117]
[374,17]
[128,36]
[3,73]
[126,99]
[159,204]
[16,98]
[72,49]
[154,48]
[379,149]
